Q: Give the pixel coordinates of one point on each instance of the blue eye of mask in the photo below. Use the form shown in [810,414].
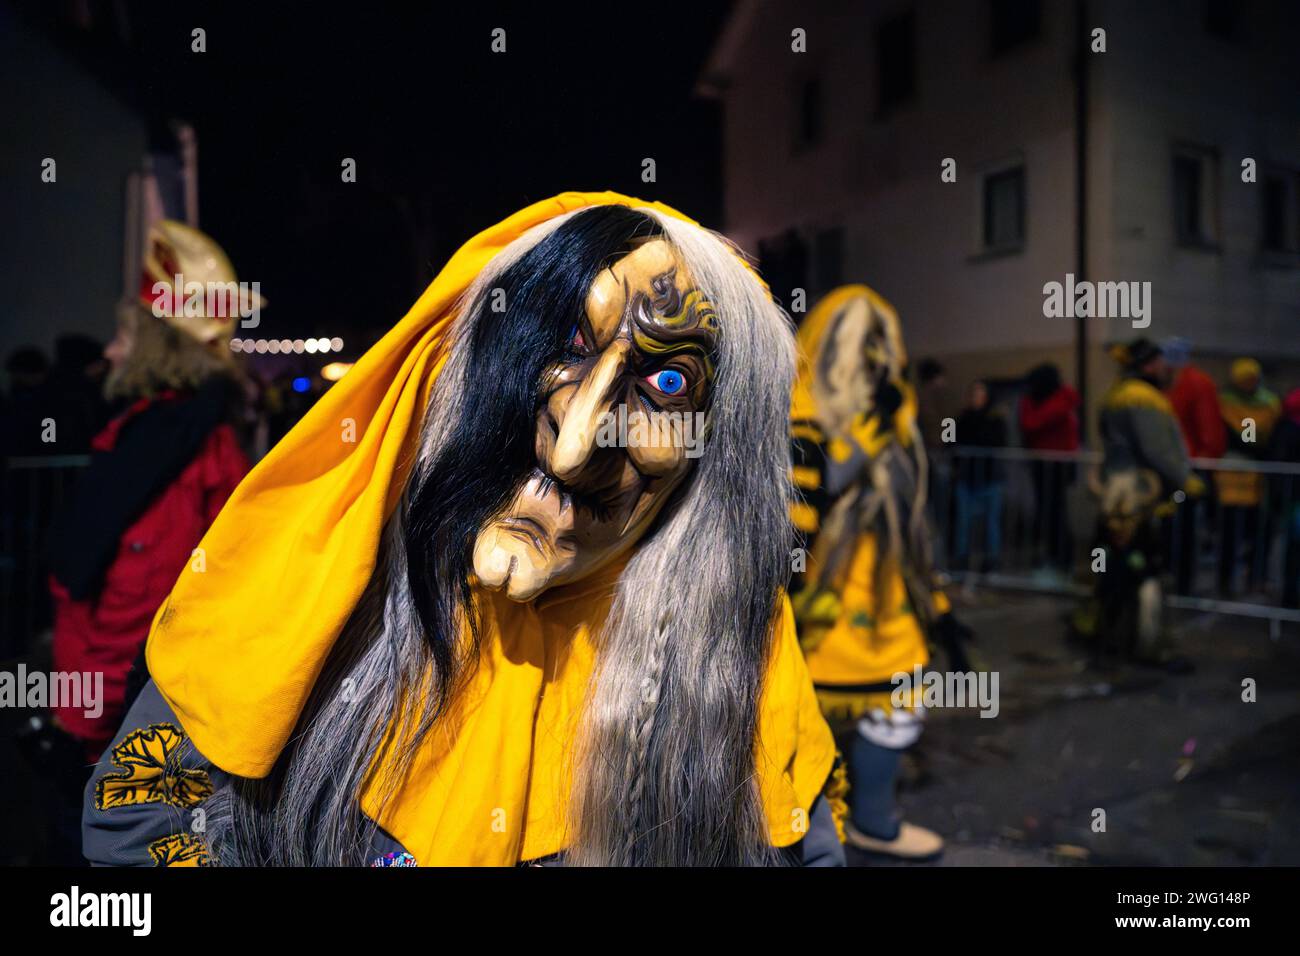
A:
[669,381]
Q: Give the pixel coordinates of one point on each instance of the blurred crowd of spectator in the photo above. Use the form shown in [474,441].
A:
[1237,525]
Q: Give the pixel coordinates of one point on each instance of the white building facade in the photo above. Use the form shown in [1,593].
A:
[836,140]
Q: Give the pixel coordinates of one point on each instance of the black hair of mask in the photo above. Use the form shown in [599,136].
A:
[516,335]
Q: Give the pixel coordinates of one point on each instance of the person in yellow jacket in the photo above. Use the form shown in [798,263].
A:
[865,598]
[1138,424]
[511,592]
[1250,412]
[1144,465]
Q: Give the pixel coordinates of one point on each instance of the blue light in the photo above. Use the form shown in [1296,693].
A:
[301,384]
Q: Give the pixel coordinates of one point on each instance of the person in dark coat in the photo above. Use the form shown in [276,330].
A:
[980,479]
[1049,422]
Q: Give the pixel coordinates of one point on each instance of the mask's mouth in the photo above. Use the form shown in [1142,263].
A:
[599,503]
[531,532]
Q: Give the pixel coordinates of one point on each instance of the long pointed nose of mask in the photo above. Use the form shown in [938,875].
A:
[583,416]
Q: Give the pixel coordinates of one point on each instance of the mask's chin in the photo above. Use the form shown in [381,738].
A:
[505,561]
[547,539]
[542,543]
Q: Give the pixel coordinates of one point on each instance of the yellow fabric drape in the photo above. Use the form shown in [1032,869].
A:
[873,638]
[491,787]
[237,647]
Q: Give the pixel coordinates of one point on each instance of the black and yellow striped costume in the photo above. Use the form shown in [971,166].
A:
[858,622]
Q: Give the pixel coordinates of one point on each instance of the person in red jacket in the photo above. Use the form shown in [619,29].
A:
[1049,422]
[159,473]
[1049,412]
[1195,398]
[1196,403]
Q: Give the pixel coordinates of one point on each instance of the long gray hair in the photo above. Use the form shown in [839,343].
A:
[664,765]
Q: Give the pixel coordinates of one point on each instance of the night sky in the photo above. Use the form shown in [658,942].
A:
[448,136]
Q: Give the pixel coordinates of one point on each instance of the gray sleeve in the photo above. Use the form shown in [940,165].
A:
[839,475]
[144,802]
[1160,446]
[821,846]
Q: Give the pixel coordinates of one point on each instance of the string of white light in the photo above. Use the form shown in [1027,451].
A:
[286,346]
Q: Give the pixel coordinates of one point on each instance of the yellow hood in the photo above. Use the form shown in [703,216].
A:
[809,339]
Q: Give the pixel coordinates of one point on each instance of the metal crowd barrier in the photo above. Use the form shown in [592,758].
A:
[33,490]
[1025,520]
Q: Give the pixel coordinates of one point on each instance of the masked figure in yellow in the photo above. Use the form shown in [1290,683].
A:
[866,600]
[511,592]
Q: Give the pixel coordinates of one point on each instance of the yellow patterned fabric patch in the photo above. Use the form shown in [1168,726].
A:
[837,794]
[151,772]
[180,849]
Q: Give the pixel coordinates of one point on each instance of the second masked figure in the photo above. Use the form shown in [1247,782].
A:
[867,600]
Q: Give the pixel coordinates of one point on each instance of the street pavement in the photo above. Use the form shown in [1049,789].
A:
[1185,770]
